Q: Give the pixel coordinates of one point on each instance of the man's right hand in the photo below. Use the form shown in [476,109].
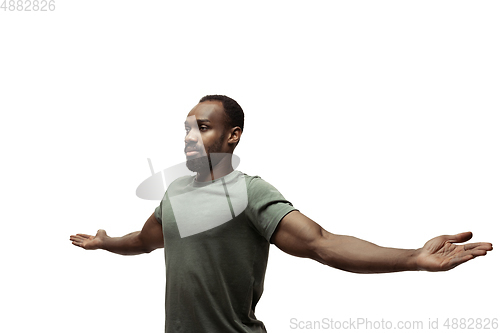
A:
[89,242]
[148,239]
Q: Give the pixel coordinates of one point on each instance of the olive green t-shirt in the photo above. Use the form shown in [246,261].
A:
[216,240]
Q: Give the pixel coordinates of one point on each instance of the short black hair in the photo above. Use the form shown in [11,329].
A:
[234,112]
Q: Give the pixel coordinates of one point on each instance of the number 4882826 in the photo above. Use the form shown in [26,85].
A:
[28,5]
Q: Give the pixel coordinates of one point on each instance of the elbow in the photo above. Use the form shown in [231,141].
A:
[142,246]
[326,251]
[147,250]
[320,249]
[319,254]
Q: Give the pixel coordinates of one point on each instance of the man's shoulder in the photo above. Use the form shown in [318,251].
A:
[257,185]
[251,180]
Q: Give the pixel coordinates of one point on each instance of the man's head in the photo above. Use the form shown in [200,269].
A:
[214,125]
[234,113]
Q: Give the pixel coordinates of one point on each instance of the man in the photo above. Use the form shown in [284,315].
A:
[216,228]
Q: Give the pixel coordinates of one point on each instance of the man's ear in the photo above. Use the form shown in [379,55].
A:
[235,135]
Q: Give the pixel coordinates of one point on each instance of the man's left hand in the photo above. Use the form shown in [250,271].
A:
[441,254]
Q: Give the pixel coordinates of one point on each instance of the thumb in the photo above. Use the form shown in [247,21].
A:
[101,233]
[459,238]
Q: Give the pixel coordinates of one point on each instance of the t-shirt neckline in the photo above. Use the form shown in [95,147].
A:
[227,178]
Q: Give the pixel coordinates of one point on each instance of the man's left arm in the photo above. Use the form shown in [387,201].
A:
[300,236]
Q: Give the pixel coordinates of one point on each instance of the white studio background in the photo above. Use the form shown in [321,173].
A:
[377,119]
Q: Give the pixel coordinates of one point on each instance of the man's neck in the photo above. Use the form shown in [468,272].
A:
[221,169]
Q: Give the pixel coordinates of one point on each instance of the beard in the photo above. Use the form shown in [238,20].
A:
[204,164]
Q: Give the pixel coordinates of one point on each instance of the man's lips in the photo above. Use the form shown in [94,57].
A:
[191,151]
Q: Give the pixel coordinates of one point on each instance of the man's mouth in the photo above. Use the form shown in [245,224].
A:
[191,151]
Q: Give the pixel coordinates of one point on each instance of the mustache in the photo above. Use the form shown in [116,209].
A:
[186,149]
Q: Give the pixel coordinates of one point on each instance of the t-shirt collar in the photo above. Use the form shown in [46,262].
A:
[227,178]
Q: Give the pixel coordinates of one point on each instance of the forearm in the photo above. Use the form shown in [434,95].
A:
[358,256]
[129,244]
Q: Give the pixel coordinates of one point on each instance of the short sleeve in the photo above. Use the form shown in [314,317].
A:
[266,206]
[158,212]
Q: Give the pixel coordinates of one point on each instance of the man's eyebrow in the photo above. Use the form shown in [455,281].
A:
[198,121]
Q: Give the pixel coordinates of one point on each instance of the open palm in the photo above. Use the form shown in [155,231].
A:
[441,254]
[89,242]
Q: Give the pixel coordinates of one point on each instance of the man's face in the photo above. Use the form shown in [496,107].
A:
[205,134]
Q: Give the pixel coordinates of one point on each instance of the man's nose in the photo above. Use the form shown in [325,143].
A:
[191,136]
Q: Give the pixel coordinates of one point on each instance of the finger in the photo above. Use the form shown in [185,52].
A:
[460,260]
[459,238]
[84,235]
[478,246]
[471,254]
[478,253]
[77,244]
[77,238]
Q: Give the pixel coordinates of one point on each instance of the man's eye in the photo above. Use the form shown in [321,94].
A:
[203,128]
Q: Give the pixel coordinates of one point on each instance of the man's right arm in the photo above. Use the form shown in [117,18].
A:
[148,239]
